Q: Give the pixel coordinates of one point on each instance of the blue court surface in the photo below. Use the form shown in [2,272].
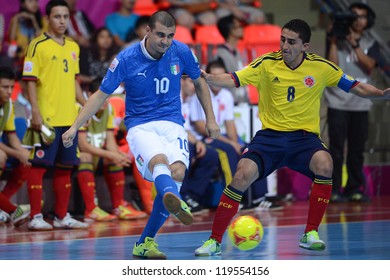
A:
[368,240]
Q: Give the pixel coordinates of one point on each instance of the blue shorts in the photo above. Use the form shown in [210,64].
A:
[272,150]
[56,153]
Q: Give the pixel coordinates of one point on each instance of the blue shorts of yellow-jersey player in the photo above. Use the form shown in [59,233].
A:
[272,150]
[56,153]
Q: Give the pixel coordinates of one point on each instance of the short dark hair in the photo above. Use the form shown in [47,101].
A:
[225,25]
[370,12]
[217,63]
[141,20]
[7,73]
[162,17]
[300,27]
[54,3]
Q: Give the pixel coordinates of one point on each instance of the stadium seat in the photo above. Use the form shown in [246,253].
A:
[209,38]
[261,38]
[148,7]
[183,34]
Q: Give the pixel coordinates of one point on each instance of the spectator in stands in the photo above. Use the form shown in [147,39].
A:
[189,13]
[139,31]
[348,115]
[52,91]
[80,27]
[204,160]
[5,60]
[97,143]
[11,153]
[232,30]
[250,11]
[122,22]
[24,26]
[95,60]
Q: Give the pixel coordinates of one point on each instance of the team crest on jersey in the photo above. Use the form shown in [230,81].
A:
[113,65]
[140,160]
[74,56]
[175,69]
[28,67]
[40,153]
[309,81]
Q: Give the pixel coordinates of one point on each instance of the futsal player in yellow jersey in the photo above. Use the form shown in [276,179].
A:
[290,82]
[50,68]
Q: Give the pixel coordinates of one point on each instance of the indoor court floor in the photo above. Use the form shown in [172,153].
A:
[352,231]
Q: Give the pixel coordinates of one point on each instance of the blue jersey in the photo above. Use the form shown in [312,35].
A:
[152,85]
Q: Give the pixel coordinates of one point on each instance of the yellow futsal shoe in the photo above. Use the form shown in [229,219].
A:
[98,215]
[178,208]
[311,241]
[148,250]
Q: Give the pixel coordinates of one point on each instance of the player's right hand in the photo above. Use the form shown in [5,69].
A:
[68,136]
[212,129]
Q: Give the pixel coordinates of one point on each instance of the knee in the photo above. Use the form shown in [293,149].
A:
[85,157]
[324,168]
[245,175]
[178,172]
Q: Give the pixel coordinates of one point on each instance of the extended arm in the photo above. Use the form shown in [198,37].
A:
[369,91]
[91,107]
[222,80]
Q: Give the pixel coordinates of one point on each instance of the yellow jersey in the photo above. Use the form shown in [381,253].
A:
[289,99]
[55,68]
[7,117]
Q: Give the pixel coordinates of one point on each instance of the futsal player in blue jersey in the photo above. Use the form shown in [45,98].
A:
[151,71]
[291,82]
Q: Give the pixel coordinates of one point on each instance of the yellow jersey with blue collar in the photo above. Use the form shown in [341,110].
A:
[289,99]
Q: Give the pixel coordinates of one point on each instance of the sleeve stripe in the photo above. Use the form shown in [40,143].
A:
[235,79]
[31,50]
[30,78]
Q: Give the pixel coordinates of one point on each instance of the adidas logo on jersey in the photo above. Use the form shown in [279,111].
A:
[276,80]
[54,57]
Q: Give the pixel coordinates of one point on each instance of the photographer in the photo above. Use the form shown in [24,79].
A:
[348,115]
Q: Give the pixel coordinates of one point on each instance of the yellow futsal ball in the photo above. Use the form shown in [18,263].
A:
[245,232]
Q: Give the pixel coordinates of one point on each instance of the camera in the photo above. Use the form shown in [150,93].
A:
[342,22]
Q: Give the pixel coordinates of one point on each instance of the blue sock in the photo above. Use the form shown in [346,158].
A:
[164,183]
[157,218]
